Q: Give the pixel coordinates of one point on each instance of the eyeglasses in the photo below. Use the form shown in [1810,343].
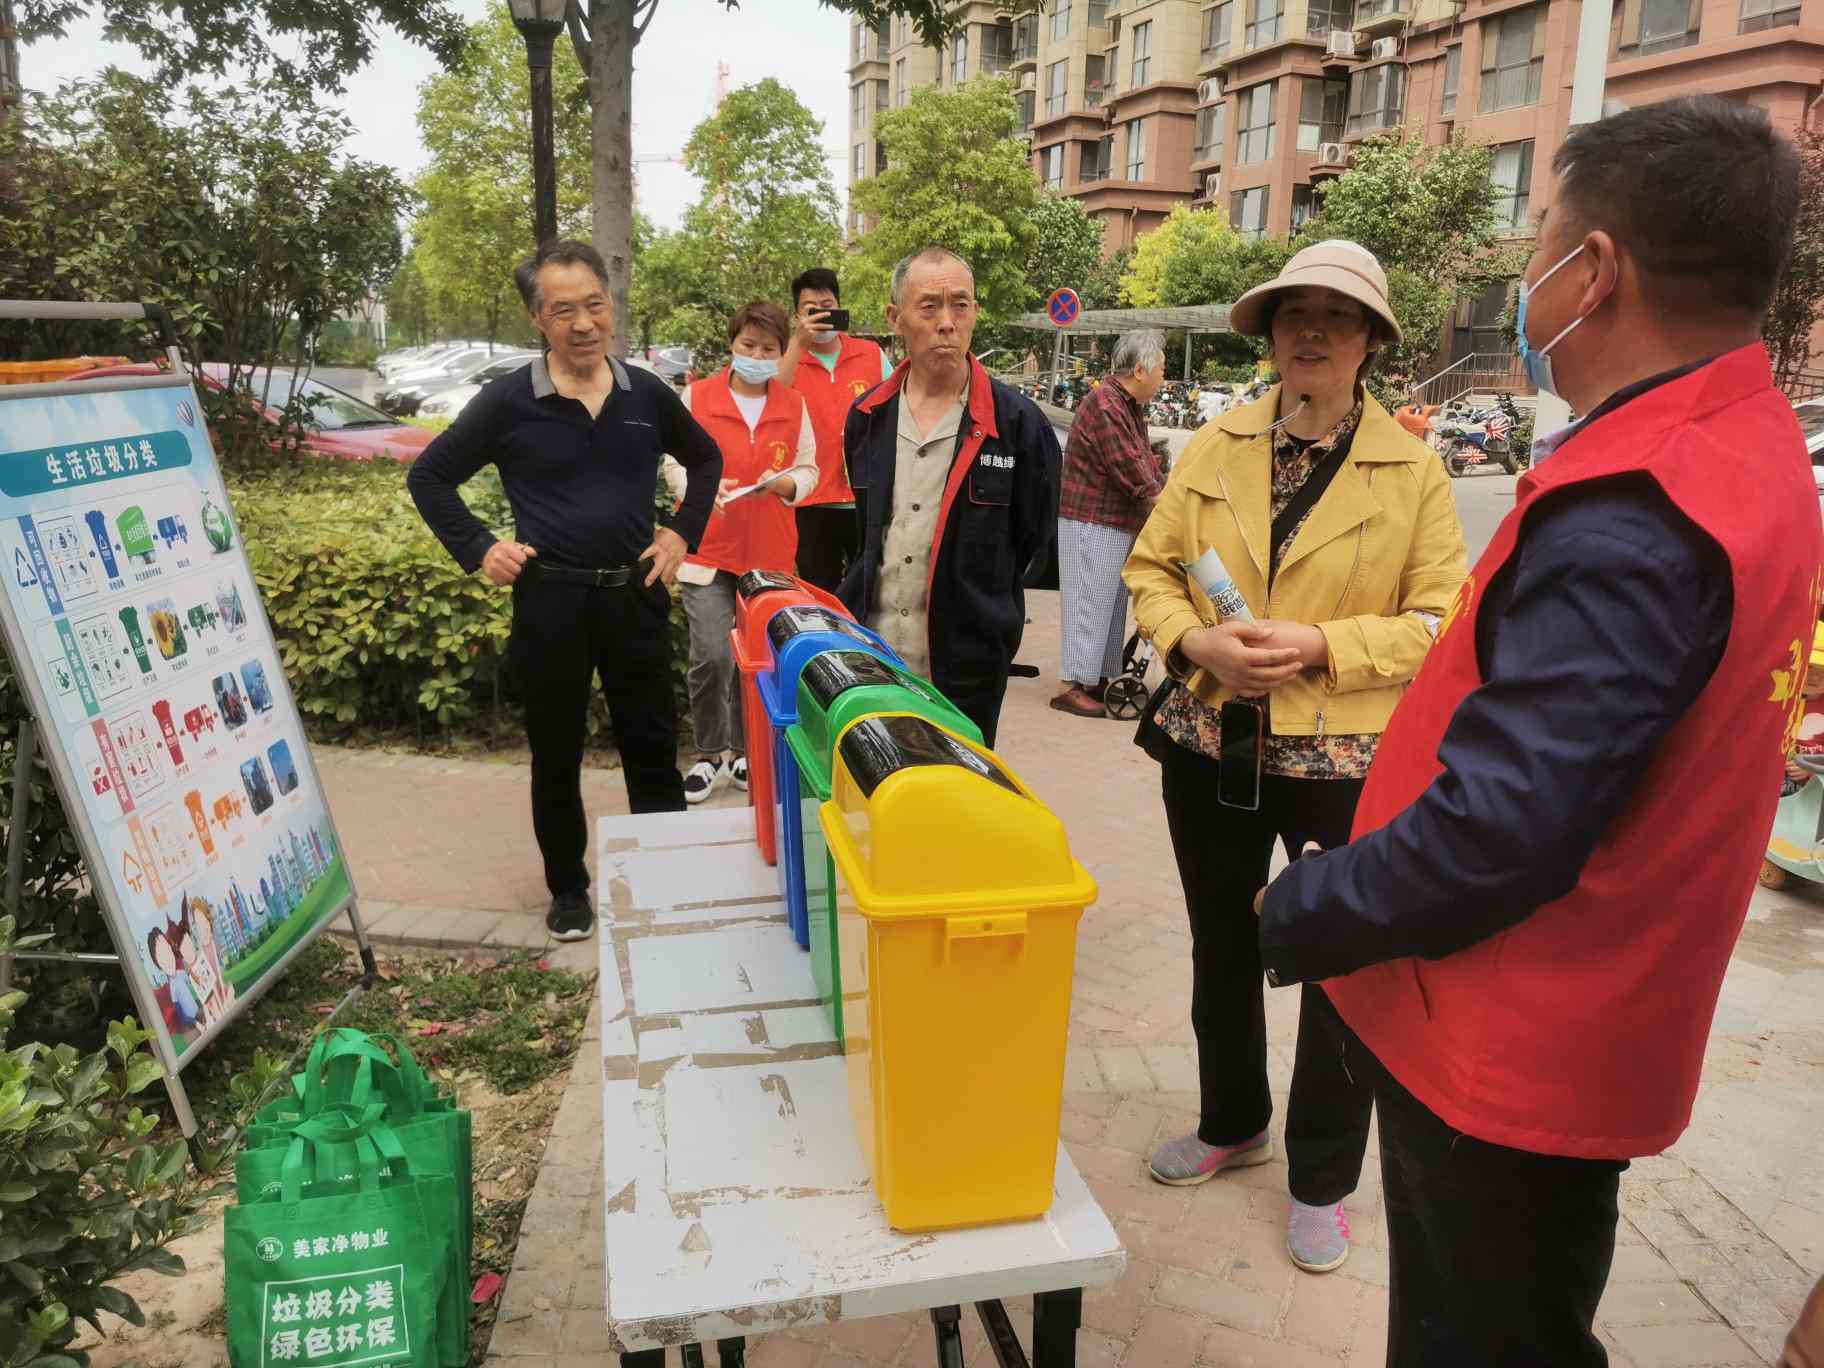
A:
[598,307]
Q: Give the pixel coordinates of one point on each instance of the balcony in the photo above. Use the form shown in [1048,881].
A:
[997,63]
[1026,53]
[1382,16]
[1332,157]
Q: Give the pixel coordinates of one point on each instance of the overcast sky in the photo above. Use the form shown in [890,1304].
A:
[802,44]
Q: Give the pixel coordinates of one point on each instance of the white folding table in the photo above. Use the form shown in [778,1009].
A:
[737,1199]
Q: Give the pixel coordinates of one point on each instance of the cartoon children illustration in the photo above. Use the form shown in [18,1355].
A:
[204,961]
[177,997]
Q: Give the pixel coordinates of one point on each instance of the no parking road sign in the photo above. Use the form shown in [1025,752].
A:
[1063,307]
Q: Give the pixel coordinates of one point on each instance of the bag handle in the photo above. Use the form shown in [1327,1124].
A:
[291,1173]
[402,1088]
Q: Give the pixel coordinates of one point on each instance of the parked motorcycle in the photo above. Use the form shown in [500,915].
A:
[1466,437]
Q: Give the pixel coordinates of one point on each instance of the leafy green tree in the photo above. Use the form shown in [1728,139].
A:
[476,224]
[1799,300]
[408,304]
[767,211]
[957,177]
[1068,251]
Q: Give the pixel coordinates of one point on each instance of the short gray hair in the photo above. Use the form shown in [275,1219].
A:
[1139,350]
[932,253]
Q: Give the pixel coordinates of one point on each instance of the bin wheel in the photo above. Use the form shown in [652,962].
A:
[1772,876]
[1124,697]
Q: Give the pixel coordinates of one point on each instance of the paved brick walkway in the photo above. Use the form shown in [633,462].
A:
[1721,1237]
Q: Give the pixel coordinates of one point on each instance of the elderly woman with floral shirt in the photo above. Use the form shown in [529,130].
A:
[1344,606]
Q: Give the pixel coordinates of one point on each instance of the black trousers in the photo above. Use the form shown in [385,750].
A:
[827,541]
[1223,855]
[1498,1256]
[565,635]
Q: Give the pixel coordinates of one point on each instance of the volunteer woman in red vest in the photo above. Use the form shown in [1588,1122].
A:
[765,433]
[1340,533]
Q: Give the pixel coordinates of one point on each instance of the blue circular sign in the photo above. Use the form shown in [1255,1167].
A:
[1063,307]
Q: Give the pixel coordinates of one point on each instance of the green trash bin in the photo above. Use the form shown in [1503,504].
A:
[837,689]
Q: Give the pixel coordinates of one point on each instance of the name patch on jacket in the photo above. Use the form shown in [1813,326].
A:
[994,460]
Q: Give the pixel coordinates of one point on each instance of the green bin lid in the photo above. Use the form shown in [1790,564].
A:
[838,687]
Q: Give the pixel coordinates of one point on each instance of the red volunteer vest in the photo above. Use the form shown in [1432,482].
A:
[1581,1031]
[757,533]
[828,395]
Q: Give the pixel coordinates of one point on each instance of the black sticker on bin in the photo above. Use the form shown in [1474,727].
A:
[757,582]
[799,619]
[877,748]
[834,673]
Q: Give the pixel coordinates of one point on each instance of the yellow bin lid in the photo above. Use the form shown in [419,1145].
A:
[923,823]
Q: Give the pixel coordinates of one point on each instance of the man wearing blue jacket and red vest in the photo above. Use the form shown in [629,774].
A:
[1555,849]
[956,490]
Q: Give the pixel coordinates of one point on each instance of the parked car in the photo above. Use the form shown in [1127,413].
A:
[416,358]
[454,364]
[672,363]
[1811,422]
[407,397]
[340,425]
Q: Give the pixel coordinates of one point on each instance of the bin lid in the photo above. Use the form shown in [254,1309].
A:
[799,619]
[838,687]
[757,582]
[922,823]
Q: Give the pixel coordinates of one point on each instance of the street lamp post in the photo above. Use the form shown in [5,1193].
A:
[539,23]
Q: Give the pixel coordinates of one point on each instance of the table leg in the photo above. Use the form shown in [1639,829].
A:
[1002,1338]
[948,1320]
[732,1353]
[1055,1318]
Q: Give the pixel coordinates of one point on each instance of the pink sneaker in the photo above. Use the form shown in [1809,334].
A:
[1187,1160]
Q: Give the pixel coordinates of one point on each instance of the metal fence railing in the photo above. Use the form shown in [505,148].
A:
[1805,384]
[1477,371]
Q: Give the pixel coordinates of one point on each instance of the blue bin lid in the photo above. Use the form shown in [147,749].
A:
[798,634]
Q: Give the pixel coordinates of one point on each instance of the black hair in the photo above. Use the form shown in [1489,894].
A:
[817,278]
[1700,191]
[561,252]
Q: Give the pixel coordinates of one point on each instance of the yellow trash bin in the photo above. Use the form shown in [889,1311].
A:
[957,906]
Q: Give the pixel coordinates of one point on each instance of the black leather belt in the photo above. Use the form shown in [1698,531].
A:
[613,578]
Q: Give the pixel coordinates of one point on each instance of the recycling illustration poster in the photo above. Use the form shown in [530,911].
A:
[161,699]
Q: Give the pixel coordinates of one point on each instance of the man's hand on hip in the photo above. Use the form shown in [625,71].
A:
[506,561]
[666,554]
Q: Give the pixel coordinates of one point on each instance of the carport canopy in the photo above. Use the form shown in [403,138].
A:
[1189,319]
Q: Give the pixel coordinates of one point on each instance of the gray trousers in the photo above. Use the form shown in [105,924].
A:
[1094,617]
[715,684]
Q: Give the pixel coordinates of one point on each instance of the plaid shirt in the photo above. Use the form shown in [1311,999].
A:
[1111,475]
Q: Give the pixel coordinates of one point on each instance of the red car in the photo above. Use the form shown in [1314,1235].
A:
[340,424]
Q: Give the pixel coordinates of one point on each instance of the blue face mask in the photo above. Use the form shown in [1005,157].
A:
[753,369]
[1537,360]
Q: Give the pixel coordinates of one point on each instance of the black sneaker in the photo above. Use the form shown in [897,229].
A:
[570,918]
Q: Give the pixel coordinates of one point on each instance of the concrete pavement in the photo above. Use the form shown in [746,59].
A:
[1720,1240]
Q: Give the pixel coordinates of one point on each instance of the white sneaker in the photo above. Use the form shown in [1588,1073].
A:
[737,770]
[700,779]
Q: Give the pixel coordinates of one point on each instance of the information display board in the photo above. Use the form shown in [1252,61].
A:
[135,627]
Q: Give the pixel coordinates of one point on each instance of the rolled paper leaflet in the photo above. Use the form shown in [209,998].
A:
[1213,577]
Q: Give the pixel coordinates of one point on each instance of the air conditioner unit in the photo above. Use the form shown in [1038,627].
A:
[1385,48]
[1212,184]
[1333,154]
[1341,43]
[1209,91]
[1029,80]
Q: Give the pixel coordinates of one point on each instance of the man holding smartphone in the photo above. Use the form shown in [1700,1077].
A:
[844,368]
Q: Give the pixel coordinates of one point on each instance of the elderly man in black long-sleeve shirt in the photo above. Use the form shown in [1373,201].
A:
[577,437]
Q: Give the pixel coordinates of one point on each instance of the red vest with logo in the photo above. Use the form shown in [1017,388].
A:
[1581,1030]
[759,532]
[829,394]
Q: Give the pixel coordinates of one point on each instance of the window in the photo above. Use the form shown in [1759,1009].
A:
[1211,133]
[1254,123]
[1322,106]
[1248,212]
[1057,81]
[1368,10]
[1511,173]
[1092,81]
[1513,58]
[1649,26]
[1265,22]
[1098,13]
[1026,38]
[1143,54]
[883,40]
[1026,99]
[1051,163]
[880,98]
[1060,20]
[899,83]
[997,47]
[860,164]
[1218,25]
[1304,205]
[1453,65]
[1321,16]
[880,159]
[1766,14]
[858,105]
[1376,99]
[858,43]
[1136,150]
[959,59]
[1098,159]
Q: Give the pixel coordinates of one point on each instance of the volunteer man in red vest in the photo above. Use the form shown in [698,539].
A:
[1557,842]
[845,369]
[763,430]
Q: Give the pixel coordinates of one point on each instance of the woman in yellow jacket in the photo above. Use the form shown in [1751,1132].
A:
[1345,603]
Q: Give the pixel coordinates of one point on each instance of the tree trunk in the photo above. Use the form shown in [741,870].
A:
[611,99]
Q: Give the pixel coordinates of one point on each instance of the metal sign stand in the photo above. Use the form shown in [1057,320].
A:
[26,760]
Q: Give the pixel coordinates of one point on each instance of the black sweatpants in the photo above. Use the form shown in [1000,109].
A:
[1497,1256]
[827,541]
[1223,855]
[565,635]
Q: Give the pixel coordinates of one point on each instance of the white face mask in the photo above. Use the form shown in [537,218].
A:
[823,337]
[1537,361]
